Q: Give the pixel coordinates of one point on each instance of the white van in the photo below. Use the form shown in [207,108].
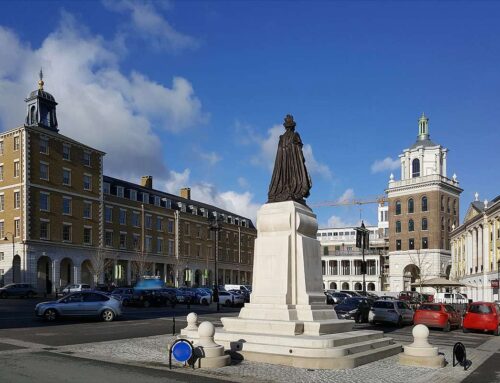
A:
[242,288]
[450,298]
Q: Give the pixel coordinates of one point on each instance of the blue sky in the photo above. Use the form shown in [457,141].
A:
[194,93]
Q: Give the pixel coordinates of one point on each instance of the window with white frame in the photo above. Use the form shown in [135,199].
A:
[1,172]
[17,168]
[159,245]
[44,229]
[120,191]
[2,202]
[123,240]
[149,221]
[123,217]
[133,195]
[106,188]
[170,226]
[17,199]
[159,223]
[87,235]
[66,177]
[148,243]
[136,243]
[157,200]
[66,206]
[16,142]
[108,214]
[2,229]
[44,201]
[87,158]
[66,154]
[87,182]
[108,238]
[135,219]
[17,227]
[1,147]
[145,197]
[44,145]
[67,232]
[170,249]
[2,256]
[187,228]
[44,171]
[87,209]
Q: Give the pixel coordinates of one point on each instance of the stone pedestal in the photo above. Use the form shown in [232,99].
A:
[420,353]
[287,320]
[210,353]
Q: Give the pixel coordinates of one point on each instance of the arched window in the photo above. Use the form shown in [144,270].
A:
[454,207]
[411,225]
[424,203]
[442,223]
[449,225]
[33,115]
[448,205]
[415,168]
[442,203]
[398,226]
[410,205]
[398,207]
[424,223]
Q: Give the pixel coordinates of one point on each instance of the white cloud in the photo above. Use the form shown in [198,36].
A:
[98,104]
[386,164]
[346,196]
[336,221]
[239,203]
[147,22]
[268,146]
[243,183]
[211,158]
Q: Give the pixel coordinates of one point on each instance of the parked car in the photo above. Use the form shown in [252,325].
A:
[356,308]
[22,290]
[412,297]
[484,316]
[437,315]
[124,294]
[84,303]
[337,297]
[386,298]
[170,295]
[71,288]
[228,299]
[147,298]
[202,297]
[450,298]
[351,293]
[392,311]
[185,295]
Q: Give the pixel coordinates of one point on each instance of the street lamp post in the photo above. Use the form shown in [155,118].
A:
[13,249]
[363,241]
[498,280]
[215,226]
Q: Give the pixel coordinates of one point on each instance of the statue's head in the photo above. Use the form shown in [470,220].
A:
[289,122]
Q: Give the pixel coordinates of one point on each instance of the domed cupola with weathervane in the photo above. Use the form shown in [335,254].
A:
[41,108]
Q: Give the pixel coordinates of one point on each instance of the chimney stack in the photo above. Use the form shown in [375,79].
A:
[147,182]
[186,193]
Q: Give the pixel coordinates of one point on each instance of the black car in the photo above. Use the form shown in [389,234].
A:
[124,294]
[22,290]
[338,297]
[153,297]
[356,308]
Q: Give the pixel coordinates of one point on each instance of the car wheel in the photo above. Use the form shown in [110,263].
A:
[497,331]
[400,322]
[125,302]
[447,328]
[227,303]
[3,295]
[31,294]
[50,315]
[146,304]
[107,315]
[204,302]
[465,330]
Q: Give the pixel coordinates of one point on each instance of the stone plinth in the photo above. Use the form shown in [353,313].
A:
[420,353]
[287,320]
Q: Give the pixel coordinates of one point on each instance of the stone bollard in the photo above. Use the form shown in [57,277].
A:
[192,324]
[420,353]
[210,354]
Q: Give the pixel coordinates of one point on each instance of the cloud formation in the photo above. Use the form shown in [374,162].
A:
[98,104]
[147,22]
[386,164]
[346,196]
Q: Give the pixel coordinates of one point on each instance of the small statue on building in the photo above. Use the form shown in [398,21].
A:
[290,181]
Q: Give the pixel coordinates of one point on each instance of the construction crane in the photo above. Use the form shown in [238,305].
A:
[350,201]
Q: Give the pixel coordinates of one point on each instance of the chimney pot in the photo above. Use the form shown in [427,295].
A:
[147,182]
[185,193]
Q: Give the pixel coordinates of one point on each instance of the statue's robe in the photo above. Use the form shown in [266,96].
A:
[290,181]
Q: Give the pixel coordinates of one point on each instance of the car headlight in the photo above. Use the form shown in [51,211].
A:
[353,311]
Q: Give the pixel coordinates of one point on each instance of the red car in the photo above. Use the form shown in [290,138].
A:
[437,315]
[483,316]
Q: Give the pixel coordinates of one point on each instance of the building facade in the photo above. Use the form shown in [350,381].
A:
[423,207]
[475,249]
[341,259]
[62,221]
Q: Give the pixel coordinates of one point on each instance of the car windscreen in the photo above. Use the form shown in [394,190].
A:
[430,307]
[351,302]
[480,309]
[383,305]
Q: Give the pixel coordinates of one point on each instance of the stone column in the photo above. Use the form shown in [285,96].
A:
[474,251]
[164,273]
[129,273]
[56,282]
[76,274]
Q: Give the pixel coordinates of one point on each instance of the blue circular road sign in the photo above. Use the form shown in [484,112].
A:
[182,350]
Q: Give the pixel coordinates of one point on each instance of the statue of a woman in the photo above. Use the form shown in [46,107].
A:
[291,181]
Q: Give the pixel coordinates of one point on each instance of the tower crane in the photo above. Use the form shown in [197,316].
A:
[351,201]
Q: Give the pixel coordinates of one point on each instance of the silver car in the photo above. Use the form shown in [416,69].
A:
[397,312]
[84,303]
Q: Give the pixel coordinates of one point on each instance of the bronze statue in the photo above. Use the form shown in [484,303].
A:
[290,181]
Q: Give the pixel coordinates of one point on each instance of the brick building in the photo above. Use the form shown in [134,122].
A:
[423,208]
[62,221]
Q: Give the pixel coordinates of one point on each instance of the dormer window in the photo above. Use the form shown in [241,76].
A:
[133,195]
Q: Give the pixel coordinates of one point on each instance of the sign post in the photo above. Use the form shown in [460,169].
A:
[363,242]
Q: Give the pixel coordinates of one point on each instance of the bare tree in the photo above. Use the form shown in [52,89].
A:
[424,266]
[100,261]
[141,265]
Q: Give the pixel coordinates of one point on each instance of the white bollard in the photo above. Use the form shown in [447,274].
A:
[420,352]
